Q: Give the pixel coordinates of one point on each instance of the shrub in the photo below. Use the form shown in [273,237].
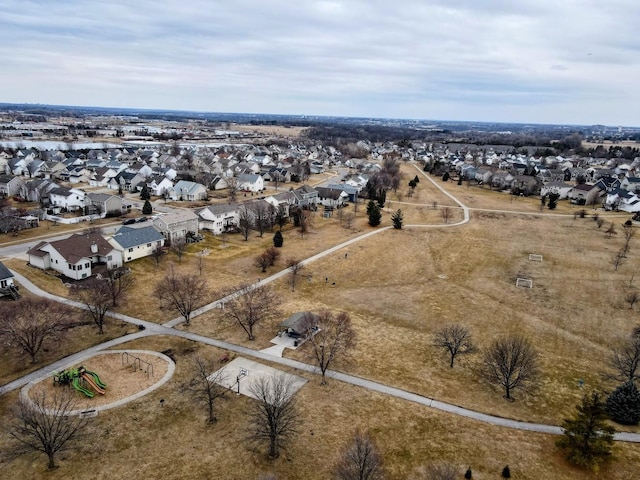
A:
[506,473]
[623,405]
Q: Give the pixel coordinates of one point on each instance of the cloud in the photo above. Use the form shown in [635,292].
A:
[495,60]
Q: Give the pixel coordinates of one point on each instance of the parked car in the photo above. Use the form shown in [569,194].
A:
[129,221]
[142,219]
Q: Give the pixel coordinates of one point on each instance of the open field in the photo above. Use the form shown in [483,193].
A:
[273,130]
[146,439]
[399,288]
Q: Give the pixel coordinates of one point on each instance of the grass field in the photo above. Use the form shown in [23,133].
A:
[399,287]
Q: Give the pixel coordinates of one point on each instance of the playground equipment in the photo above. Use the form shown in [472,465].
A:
[137,362]
[80,378]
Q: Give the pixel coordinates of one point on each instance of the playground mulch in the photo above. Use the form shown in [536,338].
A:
[121,379]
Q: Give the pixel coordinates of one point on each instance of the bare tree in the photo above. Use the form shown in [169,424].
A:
[245,222]
[360,459]
[439,471]
[249,305]
[120,282]
[157,253]
[347,220]
[295,266]
[511,362]
[632,298]
[611,230]
[274,416]
[43,424]
[456,339]
[266,258]
[625,359]
[29,323]
[262,216]
[233,187]
[182,293]
[207,385]
[179,247]
[305,221]
[618,259]
[280,217]
[96,296]
[445,213]
[276,178]
[629,233]
[329,336]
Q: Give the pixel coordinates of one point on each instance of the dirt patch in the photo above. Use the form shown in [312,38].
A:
[123,374]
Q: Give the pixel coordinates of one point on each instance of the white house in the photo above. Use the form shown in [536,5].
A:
[250,182]
[188,191]
[75,256]
[560,188]
[69,198]
[219,218]
[134,243]
[7,286]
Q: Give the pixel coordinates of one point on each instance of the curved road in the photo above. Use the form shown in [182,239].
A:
[151,328]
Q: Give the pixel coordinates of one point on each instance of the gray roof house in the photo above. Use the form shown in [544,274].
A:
[7,286]
[177,224]
[136,243]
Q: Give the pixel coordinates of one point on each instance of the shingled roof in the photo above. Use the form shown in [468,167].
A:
[128,237]
[76,247]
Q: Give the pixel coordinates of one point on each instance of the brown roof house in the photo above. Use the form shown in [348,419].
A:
[75,256]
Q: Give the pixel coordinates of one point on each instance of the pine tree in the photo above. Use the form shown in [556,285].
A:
[382,197]
[147,209]
[144,193]
[278,239]
[373,212]
[468,475]
[587,439]
[506,473]
[416,179]
[623,405]
[396,218]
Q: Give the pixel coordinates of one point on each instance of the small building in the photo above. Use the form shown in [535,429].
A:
[175,225]
[219,218]
[297,325]
[188,191]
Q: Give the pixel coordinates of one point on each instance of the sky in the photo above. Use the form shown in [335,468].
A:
[524,61]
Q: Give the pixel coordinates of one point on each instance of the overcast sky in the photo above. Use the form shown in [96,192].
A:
[529,61]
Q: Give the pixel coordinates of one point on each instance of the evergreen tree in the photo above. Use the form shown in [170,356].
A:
[416,179]
[506,473]
[371,190]
[623,405]
[382,197]
[278,240]
[587,438]
[144,193]
[147,209]
[445,176]
[396,218]
[553,201]
[468,475]
[374,214]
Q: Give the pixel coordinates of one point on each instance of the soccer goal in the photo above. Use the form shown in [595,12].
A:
[533,257]
[524,282]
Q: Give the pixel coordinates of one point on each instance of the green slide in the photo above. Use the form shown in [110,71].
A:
[96,379]
[80,388]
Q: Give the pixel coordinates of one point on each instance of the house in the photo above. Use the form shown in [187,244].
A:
[331,198]
[52,169]
[7,287]
[218,183]
[10,185]
[584,194]
[175,225]
[104,203]
[631,184]
[70,199]
[305,197]
[219,218]
[159,185]
[188,191]
[37,190]
[608,184]
[101,176]
[350,190]
[559,188]
[134,243]
[622,200]
[75,256]
[250,182]
[125,181]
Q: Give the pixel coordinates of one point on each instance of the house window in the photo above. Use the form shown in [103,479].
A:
[3,283]
[109,258]
[79,267]
[148,244]
[86,265]
[70,266]
[130,250]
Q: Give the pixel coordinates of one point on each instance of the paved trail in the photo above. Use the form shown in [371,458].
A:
[151,328]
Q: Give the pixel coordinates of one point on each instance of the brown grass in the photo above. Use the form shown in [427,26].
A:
[399,287]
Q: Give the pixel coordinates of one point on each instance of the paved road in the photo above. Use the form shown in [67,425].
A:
[151,328]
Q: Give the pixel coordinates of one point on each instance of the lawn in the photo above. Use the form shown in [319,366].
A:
[399,287]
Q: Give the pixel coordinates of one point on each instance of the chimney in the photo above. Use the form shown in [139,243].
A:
[94,248]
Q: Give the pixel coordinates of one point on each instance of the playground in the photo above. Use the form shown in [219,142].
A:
[108,379]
